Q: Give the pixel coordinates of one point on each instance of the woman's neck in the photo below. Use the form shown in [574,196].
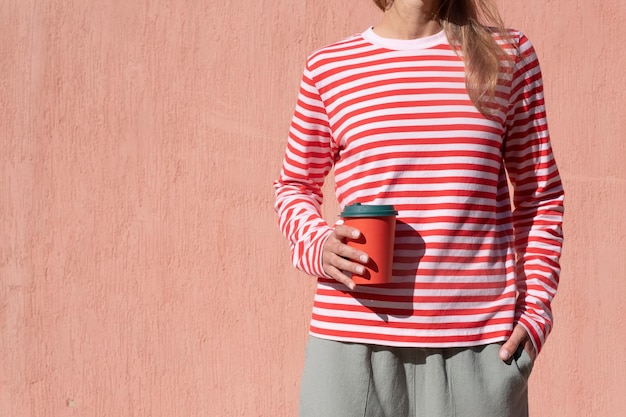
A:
[409,19]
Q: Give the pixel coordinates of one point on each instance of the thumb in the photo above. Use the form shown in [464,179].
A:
[518,336]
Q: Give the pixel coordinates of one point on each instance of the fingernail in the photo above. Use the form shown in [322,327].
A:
[504,354]
[355,234]
[360,270]
[363,258]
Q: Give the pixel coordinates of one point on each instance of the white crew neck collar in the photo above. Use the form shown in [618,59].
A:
[405,44]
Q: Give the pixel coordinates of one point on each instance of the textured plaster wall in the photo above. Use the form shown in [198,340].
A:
[141,271]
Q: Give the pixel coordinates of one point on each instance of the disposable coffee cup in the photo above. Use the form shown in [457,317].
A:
[377,224]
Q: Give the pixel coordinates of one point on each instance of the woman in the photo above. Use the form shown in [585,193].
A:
[429,111]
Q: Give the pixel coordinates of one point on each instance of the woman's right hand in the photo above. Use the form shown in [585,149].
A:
[339,258]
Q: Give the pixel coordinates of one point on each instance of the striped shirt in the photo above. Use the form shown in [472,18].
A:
[473,255]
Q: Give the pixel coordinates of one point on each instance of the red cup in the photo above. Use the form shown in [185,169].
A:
[377,224]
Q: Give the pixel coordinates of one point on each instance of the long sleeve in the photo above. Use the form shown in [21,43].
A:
[537,197]
[308,159]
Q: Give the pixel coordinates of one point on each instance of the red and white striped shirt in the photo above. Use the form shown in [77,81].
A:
[395,120]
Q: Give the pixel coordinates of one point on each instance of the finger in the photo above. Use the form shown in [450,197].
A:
[349,254]
[340,256]
[348,232]
[344,264]
[518,336]
[340,277]
[337,265]
[344,250]
[335,247]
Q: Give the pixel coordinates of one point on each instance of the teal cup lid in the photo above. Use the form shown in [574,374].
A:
[368,210]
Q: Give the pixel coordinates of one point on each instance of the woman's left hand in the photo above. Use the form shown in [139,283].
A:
[517,338]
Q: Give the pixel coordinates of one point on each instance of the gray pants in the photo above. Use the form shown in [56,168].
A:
[357,380]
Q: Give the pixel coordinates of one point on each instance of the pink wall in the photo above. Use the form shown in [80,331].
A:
[141,271]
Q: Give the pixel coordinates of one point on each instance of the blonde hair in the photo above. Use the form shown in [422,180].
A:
[469,25]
